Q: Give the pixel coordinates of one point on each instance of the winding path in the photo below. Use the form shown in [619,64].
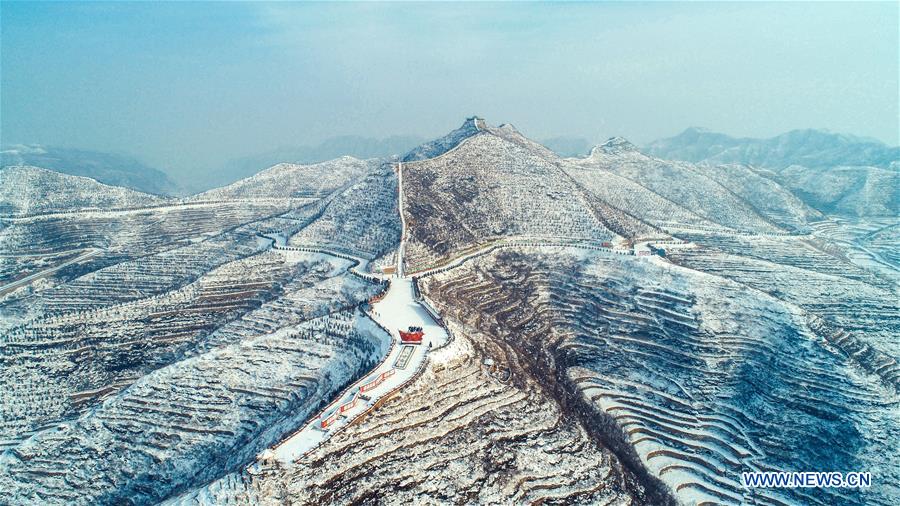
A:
[398,309]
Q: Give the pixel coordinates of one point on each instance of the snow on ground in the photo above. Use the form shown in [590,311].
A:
[397,310]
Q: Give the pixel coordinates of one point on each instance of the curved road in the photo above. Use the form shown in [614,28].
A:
[15,285]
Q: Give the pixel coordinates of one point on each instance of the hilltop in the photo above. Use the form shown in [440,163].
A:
[107,168]
[28,190]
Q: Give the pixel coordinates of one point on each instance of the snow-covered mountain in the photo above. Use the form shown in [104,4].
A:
[443,144]
[29,190]
[809,148]
[491,185]
[833,173]
[178,322]
[335,147]
[673,194]
[289,180]
[108,168]
[846,191]
[624,329]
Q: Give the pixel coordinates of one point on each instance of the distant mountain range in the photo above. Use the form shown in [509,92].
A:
[834,173]
[809,148]
[355,146]
[120,170]
[107,168]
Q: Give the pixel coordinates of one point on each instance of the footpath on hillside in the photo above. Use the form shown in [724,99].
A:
[397,310]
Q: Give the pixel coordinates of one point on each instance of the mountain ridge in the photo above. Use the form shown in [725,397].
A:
[27,190]
[808,147]
[107,168]
[614,318]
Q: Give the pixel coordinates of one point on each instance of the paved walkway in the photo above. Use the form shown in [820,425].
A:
[398,309]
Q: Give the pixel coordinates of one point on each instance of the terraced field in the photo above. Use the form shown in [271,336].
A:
[623,330]
[692,189]
[187,343]
[464,432]
[361,220]
[675,370]
[219,407]
[854,308]
[119,235]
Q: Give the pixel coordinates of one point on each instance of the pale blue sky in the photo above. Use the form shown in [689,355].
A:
[185,86]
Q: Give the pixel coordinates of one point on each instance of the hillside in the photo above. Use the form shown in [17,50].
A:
[609,329]
[846,191]
[679,183]
[686,377]
[31,190]
[288,180]
[494,184]
[186,342]
[443,144]
[329,149]
[107,168]
[770,199]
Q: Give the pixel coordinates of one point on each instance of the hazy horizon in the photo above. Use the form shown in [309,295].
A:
[185,88]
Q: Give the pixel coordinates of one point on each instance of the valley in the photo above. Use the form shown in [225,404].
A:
[613,329]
